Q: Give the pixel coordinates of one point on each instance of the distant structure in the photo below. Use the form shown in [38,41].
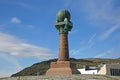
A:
[103,69]
[110,69]
[63,65]
[88,70]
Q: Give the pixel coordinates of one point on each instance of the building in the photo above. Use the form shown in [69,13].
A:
[110,69]
[104,69]
[88,70]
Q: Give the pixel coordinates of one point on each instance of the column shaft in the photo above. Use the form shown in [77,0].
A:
[63,47]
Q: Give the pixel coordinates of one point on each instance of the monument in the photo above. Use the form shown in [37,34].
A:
[63,65]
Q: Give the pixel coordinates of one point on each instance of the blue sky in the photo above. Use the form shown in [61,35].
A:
[28,35]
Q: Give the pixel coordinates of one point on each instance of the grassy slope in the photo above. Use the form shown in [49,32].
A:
[42,67]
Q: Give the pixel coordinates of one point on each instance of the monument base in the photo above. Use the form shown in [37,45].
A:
[62,68]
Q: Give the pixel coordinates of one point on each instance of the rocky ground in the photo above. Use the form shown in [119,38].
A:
[65,77]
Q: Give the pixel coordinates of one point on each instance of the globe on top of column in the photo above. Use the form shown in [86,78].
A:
[63,23]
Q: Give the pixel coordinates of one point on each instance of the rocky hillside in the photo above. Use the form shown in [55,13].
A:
[42,67]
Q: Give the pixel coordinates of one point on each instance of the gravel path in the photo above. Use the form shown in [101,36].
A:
[65,77]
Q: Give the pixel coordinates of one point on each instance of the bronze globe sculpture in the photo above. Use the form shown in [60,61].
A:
[63,23]
[62,14]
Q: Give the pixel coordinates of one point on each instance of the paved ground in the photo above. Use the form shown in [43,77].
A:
[65,77]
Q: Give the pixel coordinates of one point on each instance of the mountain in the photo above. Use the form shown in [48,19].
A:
[42,67]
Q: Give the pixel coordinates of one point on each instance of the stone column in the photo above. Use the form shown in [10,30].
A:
[63,47]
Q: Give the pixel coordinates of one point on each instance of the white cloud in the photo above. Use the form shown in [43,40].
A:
[73,31]
[106,34]
[24,5]
[9,65]
[1,26]
[67,3]
[12,60]
[100,10]
[75,51]
[15,20]
[85,46]
[91,40]
[103,14]
[104,54]
[96,9]
[30,26]
[13,46]
[4,73]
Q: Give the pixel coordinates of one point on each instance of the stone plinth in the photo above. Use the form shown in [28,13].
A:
[62,68]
